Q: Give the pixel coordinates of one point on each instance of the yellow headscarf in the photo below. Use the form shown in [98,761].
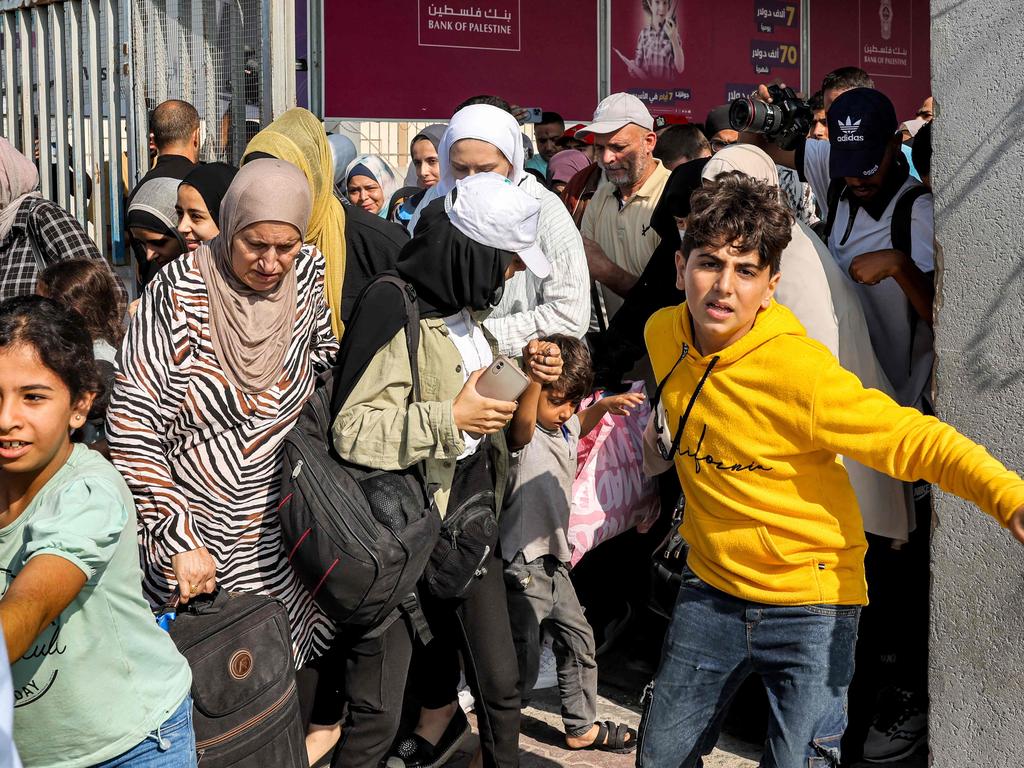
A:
[299,138]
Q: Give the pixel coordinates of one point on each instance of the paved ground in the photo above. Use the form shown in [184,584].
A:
[541,742]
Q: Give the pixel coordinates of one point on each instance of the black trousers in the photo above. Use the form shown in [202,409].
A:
[892,644]
[479,627]
[368,676]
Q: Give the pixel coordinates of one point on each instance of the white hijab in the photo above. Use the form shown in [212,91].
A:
[485,123]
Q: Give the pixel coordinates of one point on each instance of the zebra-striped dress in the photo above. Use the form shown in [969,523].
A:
[201,456]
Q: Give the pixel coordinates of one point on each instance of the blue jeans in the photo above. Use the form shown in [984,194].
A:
[172,745]
[804,655]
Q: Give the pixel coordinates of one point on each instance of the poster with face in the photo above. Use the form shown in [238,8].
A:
[688,56]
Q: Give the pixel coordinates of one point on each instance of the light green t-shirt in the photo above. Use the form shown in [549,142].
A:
[103,675]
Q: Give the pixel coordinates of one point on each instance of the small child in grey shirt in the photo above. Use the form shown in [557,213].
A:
[534,523]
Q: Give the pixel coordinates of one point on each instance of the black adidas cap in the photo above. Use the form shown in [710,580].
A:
[861,123]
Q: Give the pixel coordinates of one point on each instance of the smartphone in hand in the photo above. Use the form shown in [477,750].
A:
[502,380]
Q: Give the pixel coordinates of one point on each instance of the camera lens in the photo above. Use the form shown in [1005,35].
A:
[742,113]
[754,115]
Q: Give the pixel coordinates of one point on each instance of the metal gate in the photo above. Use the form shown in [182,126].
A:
[80,77]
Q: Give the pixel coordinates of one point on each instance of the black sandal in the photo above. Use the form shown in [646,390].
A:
[612,737]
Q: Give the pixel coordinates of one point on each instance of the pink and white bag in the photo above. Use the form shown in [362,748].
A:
[611,494]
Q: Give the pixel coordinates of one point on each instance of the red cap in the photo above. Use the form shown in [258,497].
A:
[570,133]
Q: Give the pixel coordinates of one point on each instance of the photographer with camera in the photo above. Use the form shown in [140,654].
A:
[862,167]
[879,227]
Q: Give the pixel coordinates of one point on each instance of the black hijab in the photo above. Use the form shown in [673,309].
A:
[211,180]
[449,273]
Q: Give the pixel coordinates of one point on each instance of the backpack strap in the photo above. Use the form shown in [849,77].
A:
[412,325]
[33,240]
[413,612]
[412,336]
[902,219]
[832,197]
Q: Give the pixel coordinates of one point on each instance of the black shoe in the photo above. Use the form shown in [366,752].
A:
[900,728]
[416,752]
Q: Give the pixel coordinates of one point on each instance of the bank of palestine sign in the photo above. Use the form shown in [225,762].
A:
[490,26]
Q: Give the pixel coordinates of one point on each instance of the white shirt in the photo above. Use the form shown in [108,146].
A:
[559,303]
[476,353]
[902,342]
[885,503]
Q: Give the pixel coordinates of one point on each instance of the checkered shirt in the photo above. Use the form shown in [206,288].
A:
[58,236]
[654,54]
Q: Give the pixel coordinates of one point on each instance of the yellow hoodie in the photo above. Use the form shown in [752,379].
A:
[770,514]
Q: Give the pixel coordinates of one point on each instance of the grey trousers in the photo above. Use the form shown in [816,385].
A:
[541,598]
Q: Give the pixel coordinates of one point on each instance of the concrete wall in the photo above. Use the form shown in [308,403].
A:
[977,685]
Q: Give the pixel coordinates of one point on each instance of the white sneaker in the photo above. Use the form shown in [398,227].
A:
[547,676]
[900,728]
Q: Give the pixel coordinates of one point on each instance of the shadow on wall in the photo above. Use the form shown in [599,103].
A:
[993,366]
[992,164]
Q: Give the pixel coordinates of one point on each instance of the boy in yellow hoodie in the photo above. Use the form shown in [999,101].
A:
[757,415]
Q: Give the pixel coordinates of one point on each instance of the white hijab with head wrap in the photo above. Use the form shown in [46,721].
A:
[18,181]
[484,123]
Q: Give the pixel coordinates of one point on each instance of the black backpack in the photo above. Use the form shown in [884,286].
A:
[245,705]
[899,227]
[358,538]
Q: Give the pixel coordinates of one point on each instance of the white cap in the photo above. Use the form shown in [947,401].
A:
[617,111]
[490,209]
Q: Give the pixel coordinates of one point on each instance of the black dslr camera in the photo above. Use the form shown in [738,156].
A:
[786,120]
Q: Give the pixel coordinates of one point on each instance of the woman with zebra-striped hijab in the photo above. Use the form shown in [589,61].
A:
[215,367]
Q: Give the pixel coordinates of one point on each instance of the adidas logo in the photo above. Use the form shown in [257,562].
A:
[849,130]
[849,126]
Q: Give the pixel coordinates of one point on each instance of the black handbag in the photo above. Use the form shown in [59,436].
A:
[469,532]
[667,565]
[245,704]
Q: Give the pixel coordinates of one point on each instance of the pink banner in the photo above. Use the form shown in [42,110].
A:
[688,56]
[892,42]
[417,59]
[886,38]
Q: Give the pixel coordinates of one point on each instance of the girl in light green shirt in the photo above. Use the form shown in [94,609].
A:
[96,681]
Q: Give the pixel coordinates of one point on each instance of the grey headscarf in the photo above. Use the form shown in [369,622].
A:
[18,181]
[152,208]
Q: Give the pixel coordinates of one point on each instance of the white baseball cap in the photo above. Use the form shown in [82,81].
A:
[490,209]
[617,111]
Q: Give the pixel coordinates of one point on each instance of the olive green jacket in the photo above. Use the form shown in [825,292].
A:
[377,427]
